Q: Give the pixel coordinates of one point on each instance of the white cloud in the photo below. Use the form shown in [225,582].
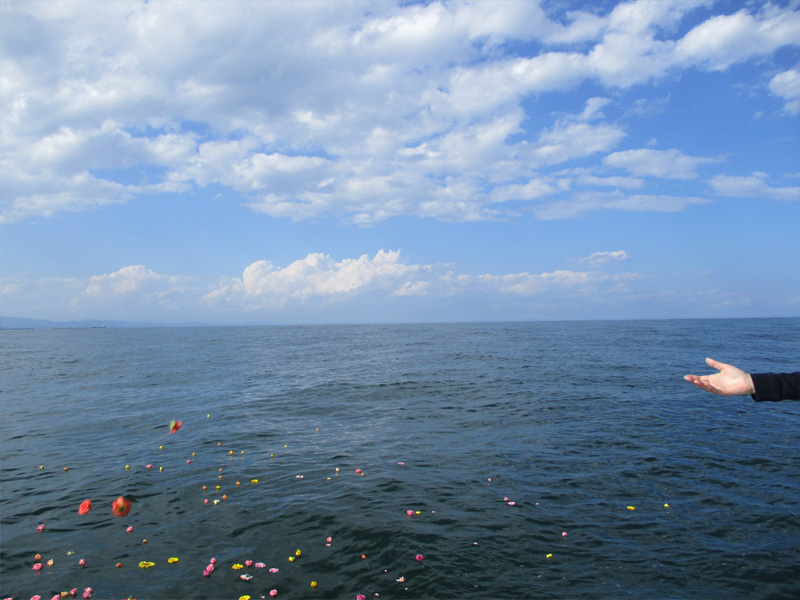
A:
[724,40]
[601,258]
[585,202]
[671,164]
[786,85]
[375,110]
[754,186]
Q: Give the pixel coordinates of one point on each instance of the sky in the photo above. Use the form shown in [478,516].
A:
[360,162]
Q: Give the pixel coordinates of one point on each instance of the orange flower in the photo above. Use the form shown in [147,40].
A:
[121,507]
[85,507]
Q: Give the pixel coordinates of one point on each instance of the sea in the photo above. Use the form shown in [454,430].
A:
[413,461]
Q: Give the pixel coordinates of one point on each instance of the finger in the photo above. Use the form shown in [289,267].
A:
[716,364]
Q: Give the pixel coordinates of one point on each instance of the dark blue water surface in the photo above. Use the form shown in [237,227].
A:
[572,422]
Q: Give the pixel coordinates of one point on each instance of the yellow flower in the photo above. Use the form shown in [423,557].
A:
[254,481]
[172,559]
[237,566]
[291,559]
[244,597]
[631,508]
[146,564]
[549,556]
[297,553]
[313,584]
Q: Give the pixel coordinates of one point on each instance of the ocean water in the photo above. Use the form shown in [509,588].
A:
[499,438]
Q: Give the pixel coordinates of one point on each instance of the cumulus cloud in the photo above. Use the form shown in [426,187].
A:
[377,110]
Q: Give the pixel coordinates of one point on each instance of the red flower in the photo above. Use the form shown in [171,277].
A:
[121,507]
[86,506]
[174,426]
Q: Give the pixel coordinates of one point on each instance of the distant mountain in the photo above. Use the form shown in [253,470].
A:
[22,323]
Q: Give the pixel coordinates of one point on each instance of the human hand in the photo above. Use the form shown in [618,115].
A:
[730,381]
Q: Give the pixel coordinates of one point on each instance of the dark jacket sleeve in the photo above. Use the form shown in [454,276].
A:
[771,387]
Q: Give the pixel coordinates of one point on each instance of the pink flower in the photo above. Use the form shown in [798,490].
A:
[41,527]
[358,470]
[206,573]
[361,597]
[37,567]
[273,570]
[273,593]
[87,593]
[213,561]
[129,529]
[56,597]
[248,563]
[82,562]
[563,534]
[73,592]
[419,557]
[36,597]
[259,565]
[410,513]
[512,503]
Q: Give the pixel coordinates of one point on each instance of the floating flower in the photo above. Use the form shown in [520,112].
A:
[174,426]
[85,507]
[73,592]
[291,559]
[410,513]
[118,565]
[512,503]
[38,567]
[666,506]
[248,563]
[51,562]
[259,565]
[273,593]
[129,529]
[82,562]
[313,584]
[274,570]
[254,481]
[563,534]
[121,506]
[419,557]
[237,566]
[361,597]
[172,559]
[145,564]
[297,553]
[244,597]
[631,508]
[87,593]
[213,561]
[38,557]
[401,579]
[41,527]
[245,577]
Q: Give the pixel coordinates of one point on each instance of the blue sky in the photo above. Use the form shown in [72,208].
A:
[314,162]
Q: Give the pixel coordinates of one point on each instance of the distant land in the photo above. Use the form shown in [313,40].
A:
[22,323]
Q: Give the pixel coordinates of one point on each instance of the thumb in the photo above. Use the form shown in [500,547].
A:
[716,364]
